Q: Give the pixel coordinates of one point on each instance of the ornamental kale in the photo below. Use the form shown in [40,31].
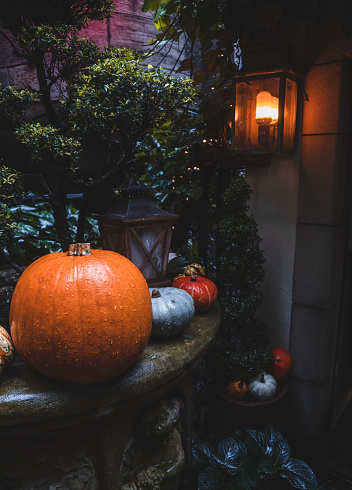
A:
[262,457]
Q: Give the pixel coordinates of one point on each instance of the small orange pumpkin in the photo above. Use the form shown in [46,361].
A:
[7,351]
[82,316]
[203,291]
[236,390]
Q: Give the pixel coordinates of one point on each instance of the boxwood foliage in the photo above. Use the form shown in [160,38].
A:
[253,461]
[10,193]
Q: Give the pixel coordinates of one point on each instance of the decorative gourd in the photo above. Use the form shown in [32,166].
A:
[173,309]
[82,316]
[282,364]
[263,387]
[195,269]
[7,351]
[236,390]
[190,270]
[203,291]
[176,266]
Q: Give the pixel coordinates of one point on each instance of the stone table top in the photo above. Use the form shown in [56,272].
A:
[31,402]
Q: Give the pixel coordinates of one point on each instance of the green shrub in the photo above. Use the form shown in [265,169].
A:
[10,191]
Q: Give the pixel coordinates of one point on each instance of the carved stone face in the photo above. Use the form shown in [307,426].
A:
[160,420]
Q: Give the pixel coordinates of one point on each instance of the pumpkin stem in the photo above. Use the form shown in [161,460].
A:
[262,379]
[156,293]
[79,249]
[193,277]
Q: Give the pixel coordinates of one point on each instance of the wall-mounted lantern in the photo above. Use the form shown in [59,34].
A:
[136,228]
[265,113]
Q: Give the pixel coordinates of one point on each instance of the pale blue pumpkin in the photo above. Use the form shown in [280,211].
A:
[173,309]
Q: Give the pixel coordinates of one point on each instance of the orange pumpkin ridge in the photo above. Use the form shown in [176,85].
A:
[81,318]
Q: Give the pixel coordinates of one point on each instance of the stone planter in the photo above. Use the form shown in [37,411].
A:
[232,414]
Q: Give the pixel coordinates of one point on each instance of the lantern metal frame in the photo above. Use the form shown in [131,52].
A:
[121,227]
[282,76]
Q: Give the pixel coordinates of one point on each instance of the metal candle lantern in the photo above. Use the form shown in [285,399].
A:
[265,113]
[138,229]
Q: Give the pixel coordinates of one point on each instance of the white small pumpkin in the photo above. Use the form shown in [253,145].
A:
[173,309]
[263,386]
[7,351]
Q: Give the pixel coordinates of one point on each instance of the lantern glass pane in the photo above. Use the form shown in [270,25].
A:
[141,259]
[256,114]
[290,115]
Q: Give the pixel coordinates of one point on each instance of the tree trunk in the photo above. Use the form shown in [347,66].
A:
[45,96]
[58,205]
[82,215]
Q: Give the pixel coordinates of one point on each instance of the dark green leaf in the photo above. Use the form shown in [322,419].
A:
[298,473]
[211,478]
[257,442]
[202,452]
[185,65]
[239,484]
[281,453]
[250,472]
[268,467]
[268,443]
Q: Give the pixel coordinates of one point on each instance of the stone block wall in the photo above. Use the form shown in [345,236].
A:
[322,227]
[127,27]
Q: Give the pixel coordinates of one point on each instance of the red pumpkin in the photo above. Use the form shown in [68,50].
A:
[282,364]
[203,291]
[82,316]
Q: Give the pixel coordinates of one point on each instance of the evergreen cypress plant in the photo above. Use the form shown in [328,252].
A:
[241,351]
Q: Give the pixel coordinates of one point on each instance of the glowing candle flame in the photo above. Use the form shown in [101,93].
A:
[263,109]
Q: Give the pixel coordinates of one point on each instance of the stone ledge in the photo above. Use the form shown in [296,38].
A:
[33,403]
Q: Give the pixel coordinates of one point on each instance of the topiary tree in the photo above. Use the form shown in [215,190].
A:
[242,351]
[241,266]
[108,104]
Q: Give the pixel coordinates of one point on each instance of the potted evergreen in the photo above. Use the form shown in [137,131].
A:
[242,352]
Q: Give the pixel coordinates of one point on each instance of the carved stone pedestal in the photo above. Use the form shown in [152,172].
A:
[130,433]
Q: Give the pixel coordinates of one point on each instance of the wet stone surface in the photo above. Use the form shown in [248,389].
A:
[28,398]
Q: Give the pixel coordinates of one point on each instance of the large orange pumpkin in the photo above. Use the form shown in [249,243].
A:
[82,316]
